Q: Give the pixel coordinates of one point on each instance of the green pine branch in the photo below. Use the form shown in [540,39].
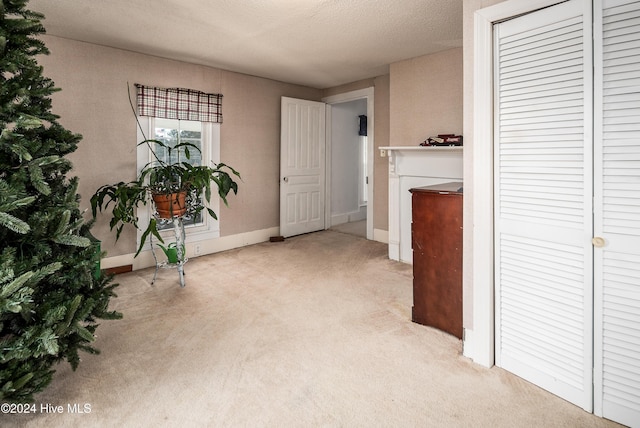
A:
[13,223]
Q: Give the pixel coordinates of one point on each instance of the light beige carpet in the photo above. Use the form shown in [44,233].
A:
[358,228]
[314,331]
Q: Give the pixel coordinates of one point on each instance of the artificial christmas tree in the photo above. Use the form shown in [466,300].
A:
[50,296]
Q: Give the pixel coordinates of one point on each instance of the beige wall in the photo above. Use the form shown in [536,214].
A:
[381,165]
[426,97]
[93,102]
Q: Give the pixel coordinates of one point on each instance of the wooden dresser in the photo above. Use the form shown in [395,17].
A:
[436,239]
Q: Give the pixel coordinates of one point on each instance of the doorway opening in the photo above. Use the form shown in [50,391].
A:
[349,163]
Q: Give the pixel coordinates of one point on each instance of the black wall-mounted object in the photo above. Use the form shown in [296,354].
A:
[363,125]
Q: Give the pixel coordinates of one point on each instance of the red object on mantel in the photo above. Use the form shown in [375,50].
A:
[436,239]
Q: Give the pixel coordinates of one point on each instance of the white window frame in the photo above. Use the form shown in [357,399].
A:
[209,228]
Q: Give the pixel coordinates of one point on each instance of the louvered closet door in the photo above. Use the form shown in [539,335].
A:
[617,213]
[543,196]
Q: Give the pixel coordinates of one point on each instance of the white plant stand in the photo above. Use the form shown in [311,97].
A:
[179,233]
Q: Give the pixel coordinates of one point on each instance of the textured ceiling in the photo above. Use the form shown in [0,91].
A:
[317,43]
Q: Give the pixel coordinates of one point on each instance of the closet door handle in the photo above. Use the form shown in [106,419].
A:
[286,179]
[598,242]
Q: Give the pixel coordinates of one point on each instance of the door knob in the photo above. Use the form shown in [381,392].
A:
[286,179]
[598,242]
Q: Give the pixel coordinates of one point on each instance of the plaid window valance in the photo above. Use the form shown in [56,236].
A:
[178,103]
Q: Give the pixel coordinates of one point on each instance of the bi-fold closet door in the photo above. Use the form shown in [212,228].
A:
[567,202]
[617,211]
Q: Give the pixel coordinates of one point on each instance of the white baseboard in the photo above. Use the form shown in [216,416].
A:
[467,343]
[381,235]
[116,261]
[474,350]
[337,219]
[349,217]
[145,258]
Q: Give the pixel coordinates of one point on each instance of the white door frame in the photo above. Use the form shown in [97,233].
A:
[479,342]
[368,94]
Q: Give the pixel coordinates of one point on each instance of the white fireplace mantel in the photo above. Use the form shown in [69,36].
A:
[409,167]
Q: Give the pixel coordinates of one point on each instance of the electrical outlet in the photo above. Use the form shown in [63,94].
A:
[196,250]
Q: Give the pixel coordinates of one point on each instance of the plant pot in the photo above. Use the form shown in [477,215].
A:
[171,205]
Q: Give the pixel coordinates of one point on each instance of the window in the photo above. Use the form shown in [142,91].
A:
[204,135]
[172,132]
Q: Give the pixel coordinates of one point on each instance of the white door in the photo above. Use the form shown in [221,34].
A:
[543,199]
[617,211]
[302,167]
